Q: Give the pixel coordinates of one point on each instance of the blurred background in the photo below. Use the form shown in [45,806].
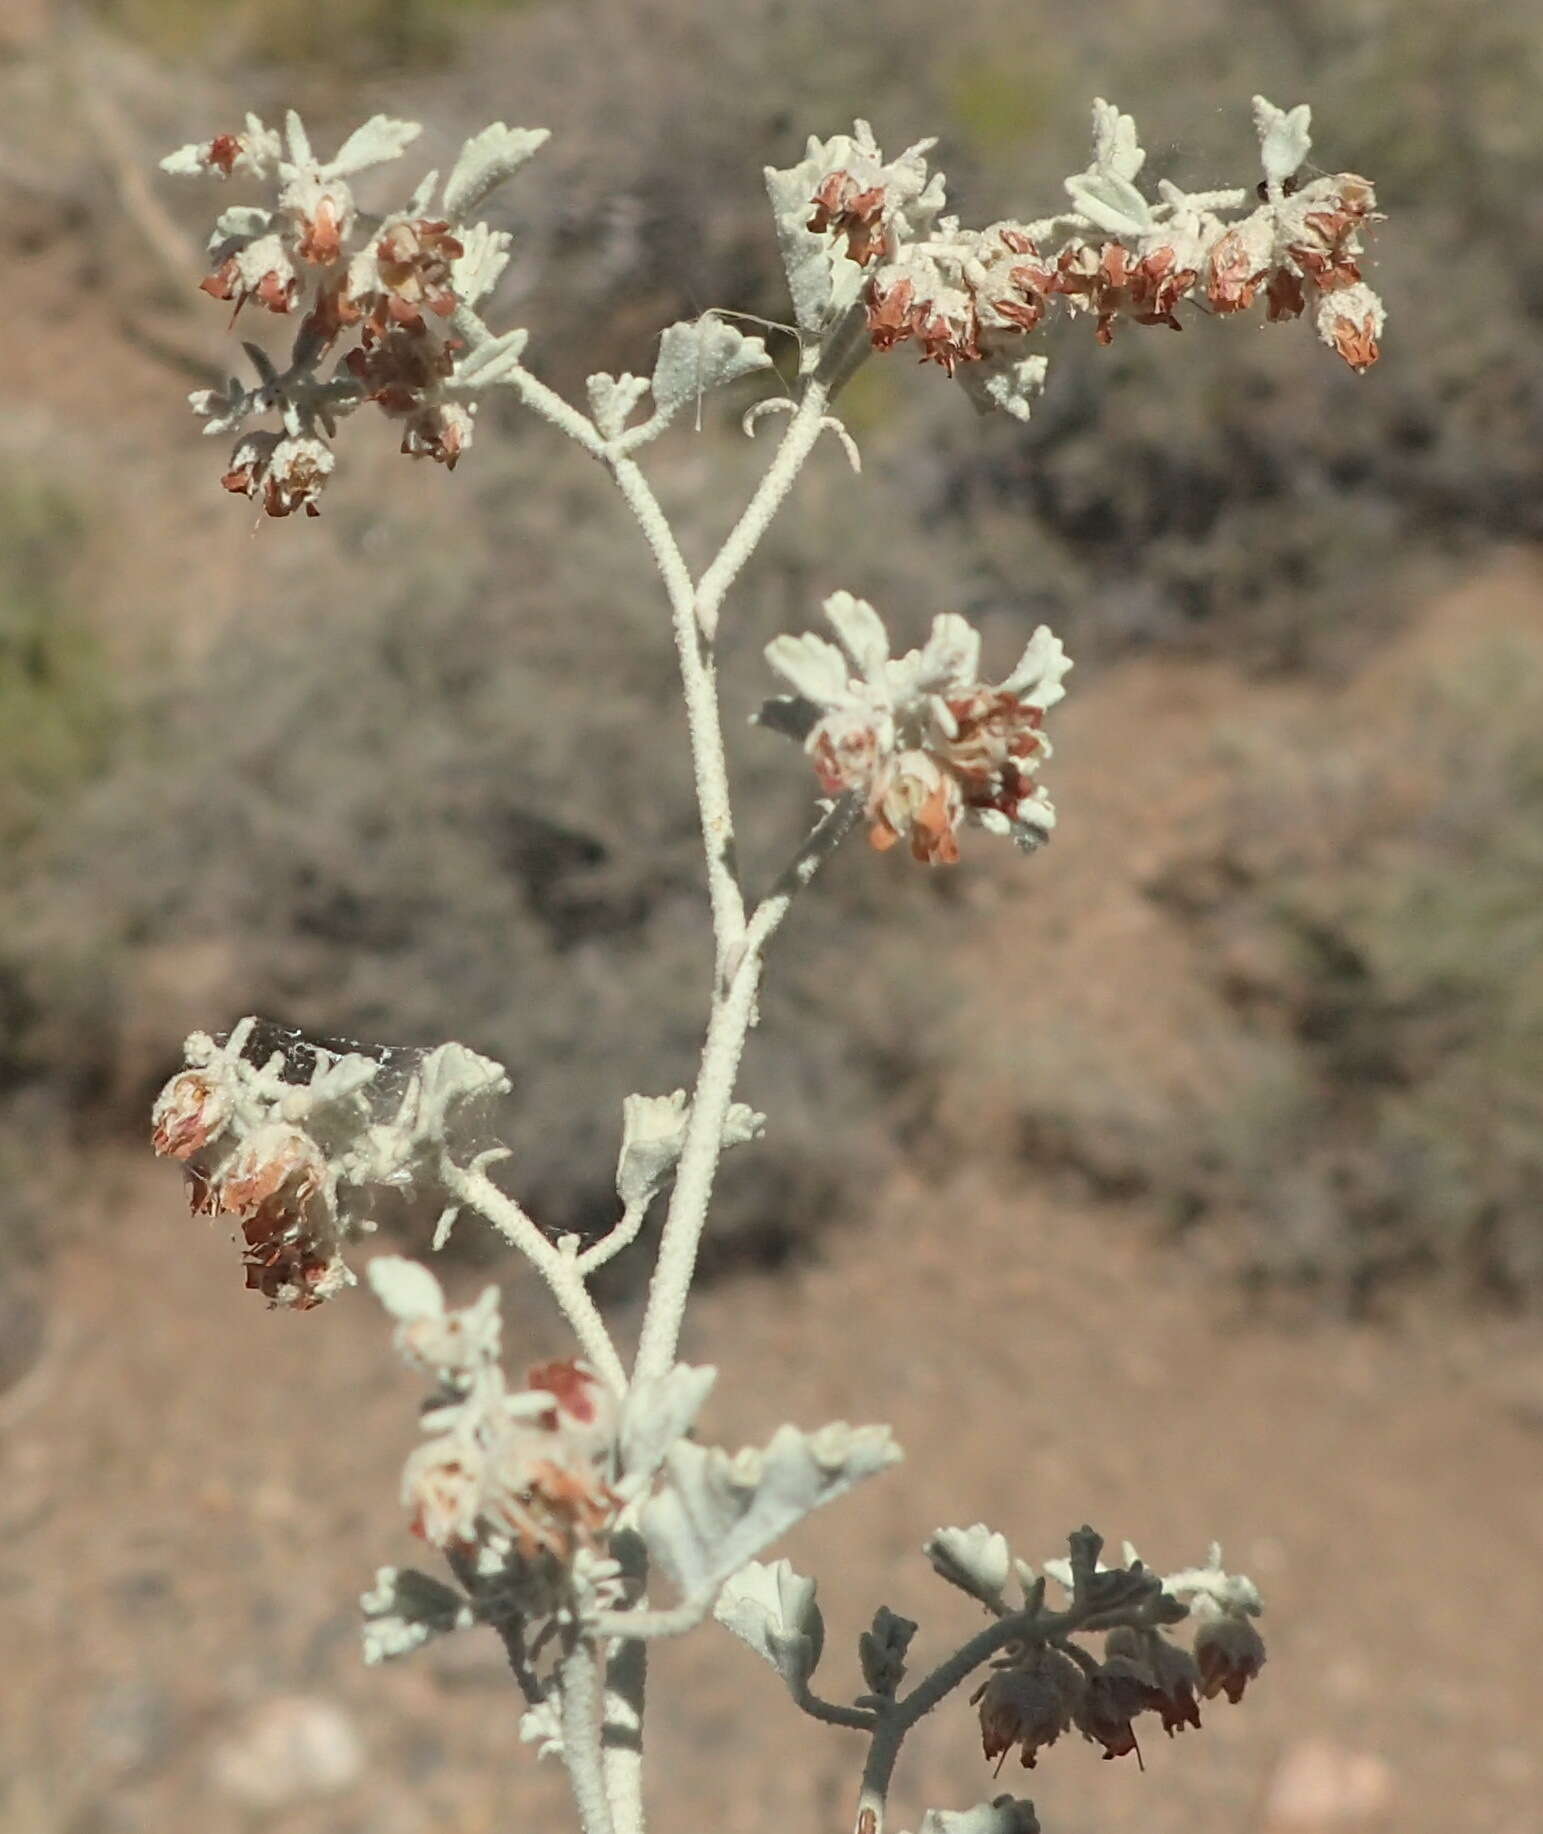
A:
[1185,1179]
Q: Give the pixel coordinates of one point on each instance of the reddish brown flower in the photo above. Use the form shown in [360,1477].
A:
[224,150]
[890,320]
[1117,284]
[399,367]
[1235,274]
[273,290]
[1170,1673]
[946,344]
[570,1384]
[1283,296]
[321,234]
[840,205]
[415,260]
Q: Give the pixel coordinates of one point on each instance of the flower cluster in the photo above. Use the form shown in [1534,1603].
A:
[967,298]
[402,287]
[921,740]
[1049,1684]
[527,1472]
[301,1141]
[527,1492]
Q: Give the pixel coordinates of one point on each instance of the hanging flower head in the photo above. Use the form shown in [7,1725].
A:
[924,743]
[297,1141]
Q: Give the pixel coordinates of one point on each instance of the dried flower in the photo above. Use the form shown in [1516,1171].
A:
[923,742]
[1029,1704]
[189,1112]
[1229,1653]
[1116,1692]
[296,1141]
[1170,1674]
[286,473]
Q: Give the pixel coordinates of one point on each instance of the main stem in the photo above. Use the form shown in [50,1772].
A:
[738,953]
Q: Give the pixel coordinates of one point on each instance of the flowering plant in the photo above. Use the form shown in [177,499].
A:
[576,1515]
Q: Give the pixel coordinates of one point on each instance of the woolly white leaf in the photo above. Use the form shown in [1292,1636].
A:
[1211,1589]
[240,223]
[224,409]
[949,658]
[773,1610]
[1040,670]
[861,631]
[1284,140]
[297,140]
[715,1512]
[1115,146]
[379,139]
[1003,1815]
[187,161]
[448,1076]
[806,257]
[654,1133]
[1110,203]
[406,1609]
[476,270]
[698,354]
[492,358]
[405,1288]
[654,1415]
[975,1559]
[540,1726]
[1012,387]
[486,160]
[811,665]
[612,400]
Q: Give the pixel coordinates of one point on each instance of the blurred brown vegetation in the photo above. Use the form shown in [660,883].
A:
[415,773]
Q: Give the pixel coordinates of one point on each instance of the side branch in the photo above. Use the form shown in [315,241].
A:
[703,720]
[803,430]
[559,1269]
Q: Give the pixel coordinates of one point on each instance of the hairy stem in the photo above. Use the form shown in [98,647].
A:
[732,1013]
[560,1270]
[704,722]
[797,443]
[622,1735]
[578,1682]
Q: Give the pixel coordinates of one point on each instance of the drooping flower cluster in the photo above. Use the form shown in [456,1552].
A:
[1047,1683]
[301,1141]
[924,743]
[856,230]
[402,287]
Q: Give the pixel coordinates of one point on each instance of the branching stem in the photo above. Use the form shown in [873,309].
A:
[560,1270]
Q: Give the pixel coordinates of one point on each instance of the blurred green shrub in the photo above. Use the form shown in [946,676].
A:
[55,702]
